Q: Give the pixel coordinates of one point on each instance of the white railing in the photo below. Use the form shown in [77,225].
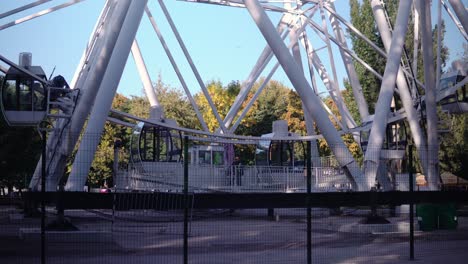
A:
[164,176]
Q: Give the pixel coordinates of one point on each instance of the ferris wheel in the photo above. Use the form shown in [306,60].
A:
[303,28]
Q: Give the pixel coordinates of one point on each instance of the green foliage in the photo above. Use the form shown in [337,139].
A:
[19,153]
[360,18]
[350,102]
[454,148]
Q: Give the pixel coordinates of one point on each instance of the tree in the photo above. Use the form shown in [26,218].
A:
[361,18]
[295,114]
[176,106]
[454,148]
[19,153]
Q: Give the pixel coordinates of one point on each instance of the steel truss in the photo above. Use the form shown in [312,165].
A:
[113,39]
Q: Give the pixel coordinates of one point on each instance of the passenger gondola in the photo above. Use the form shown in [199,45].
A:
[395,137]
[152,143]
[23,97]
[271,152]
[456,103]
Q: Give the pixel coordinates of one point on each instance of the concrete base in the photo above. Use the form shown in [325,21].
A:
[67,236]
[398,227]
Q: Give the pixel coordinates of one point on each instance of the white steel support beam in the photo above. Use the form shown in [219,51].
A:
[309,121]
[461,13]
[269,76]
[416,41]
[192,66]
[382,109]
[312,102]
[38,14]
[85,60]
[439,44]
[349,65]
[22,8]
[455,20]
[253,99]
[310,58]
[430,95]
[262,62]
[176,69]
[361,36]
[296,52]
[88,84]
[327,81]
[104,97]
[156,111]
[452,90]
[345,114]
[347,50]
[404,92]
[315,61]
[260,65]
[309,52]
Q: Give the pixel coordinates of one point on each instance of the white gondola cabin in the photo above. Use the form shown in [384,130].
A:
[23,98]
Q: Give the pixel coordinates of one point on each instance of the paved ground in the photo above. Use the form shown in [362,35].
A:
[246,236]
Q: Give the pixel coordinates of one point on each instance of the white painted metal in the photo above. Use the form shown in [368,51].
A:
[94,63]
[247,85]
[382,109]
[322,72]
[348,51]
[254,98]
[430,95]
[22,8]
[309,52]
[85,57]
[349,66]
[61,146]
[176,69]
[405,96]
[260,65]
[22,70]
[416,42]
[309,121]
[345,114]
[156,110]
[105,95]
[305,91]
[59,142]
[262,62]
[38,14]
[439,44]
[451,90]
[455,20]
[328,82]
[364,38]
[293,41]
[208,136]
[460,11]
[192,66]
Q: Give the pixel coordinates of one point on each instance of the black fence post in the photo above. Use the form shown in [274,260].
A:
[411,189]
[43,192]
[309,210]
[186,161]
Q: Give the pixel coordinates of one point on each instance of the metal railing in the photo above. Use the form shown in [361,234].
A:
[164,176]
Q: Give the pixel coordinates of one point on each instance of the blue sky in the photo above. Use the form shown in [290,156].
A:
[223,42]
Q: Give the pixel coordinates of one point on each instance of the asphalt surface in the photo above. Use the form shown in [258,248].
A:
[223,236]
